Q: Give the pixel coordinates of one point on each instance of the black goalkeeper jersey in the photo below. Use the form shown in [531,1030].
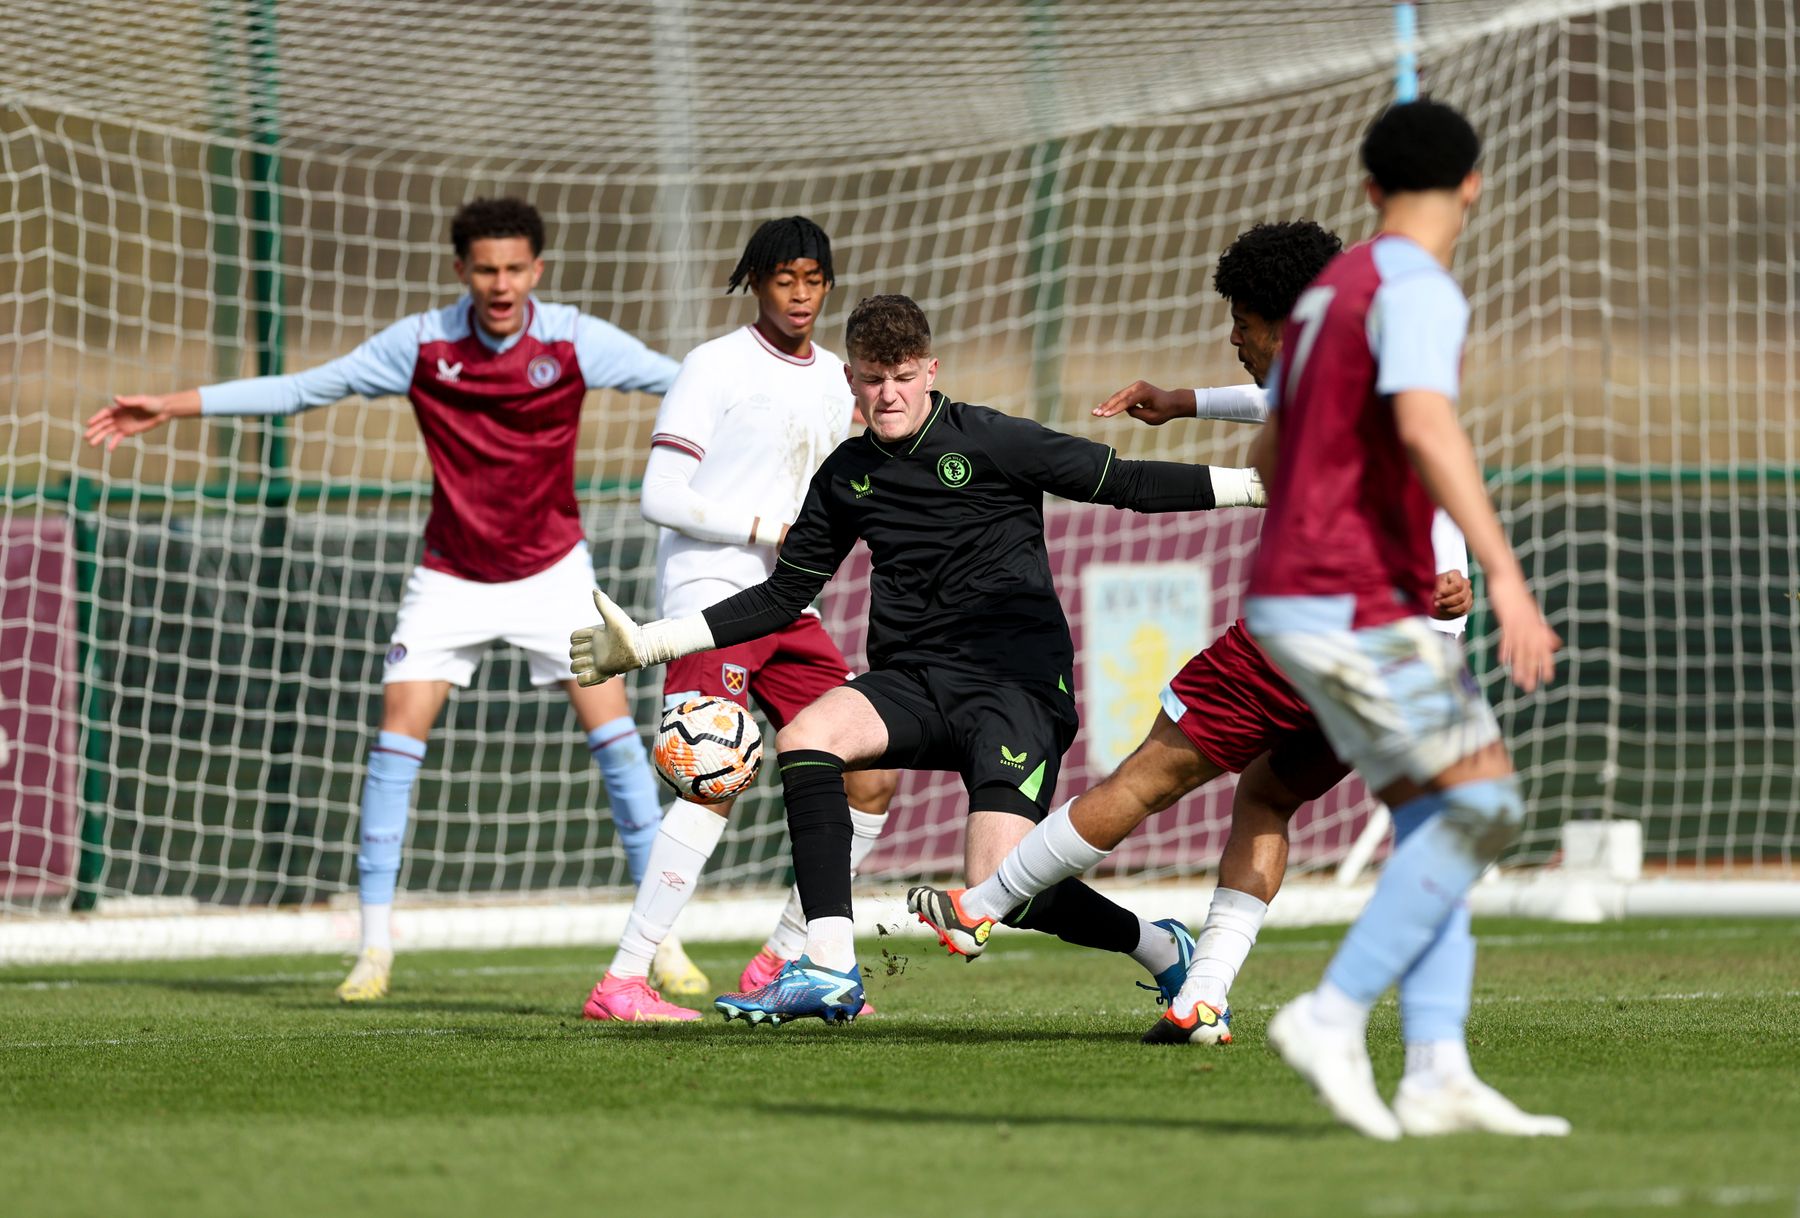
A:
[954,520]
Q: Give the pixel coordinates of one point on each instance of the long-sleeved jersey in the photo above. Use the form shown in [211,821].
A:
[954,520]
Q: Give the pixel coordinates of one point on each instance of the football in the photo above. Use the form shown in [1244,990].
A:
[708,749]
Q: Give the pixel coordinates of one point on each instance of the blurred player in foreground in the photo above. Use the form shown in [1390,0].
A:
[740,434]
[1363,440]
[972,664]
[496,381]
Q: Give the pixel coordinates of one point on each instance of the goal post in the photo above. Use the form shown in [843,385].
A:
[193,189]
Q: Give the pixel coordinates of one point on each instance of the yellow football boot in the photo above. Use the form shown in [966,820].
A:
[368,980]
[673,973]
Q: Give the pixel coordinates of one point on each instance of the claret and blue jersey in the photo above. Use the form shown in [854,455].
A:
[1349,531]
[499,418]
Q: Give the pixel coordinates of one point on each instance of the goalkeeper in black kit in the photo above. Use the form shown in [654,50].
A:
[972,667]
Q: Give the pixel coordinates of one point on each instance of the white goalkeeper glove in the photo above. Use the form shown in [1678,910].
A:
[616,644]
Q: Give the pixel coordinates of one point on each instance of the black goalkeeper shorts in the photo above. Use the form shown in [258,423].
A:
[1005,740]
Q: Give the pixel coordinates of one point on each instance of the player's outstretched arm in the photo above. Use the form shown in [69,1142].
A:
[381,365]
[1175,486]
[1080,469]
[617,644]
[133,414]
[1146,403]
[612,359]
[1440,450]
[815,546]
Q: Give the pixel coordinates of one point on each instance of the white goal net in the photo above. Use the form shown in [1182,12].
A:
[192,190]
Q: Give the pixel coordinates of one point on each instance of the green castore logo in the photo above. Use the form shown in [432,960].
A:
[954,470]
[1008,757]
[862,488]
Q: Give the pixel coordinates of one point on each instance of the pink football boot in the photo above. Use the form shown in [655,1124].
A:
[631,1000]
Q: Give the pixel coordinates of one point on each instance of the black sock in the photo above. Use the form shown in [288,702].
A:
[818,816]
[1077,914]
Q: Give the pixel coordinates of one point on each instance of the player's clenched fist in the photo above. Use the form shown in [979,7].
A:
[1453,597]
[609,647]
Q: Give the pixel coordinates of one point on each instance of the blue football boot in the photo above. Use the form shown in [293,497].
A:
[801,990]
[1170,980]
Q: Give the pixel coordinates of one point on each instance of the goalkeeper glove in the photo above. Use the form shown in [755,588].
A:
[616,644]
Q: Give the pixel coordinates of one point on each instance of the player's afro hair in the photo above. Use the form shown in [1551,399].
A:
[778,241]
[1269,265]
[482,218]
[1420,145]
[887,331]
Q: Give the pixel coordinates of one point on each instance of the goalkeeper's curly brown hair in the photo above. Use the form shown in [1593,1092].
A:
[887,331]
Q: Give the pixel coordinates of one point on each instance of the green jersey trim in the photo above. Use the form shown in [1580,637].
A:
[1104,470]
[937,408]
[796,566]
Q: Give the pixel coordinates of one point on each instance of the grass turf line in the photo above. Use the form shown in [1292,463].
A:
[1012,1086]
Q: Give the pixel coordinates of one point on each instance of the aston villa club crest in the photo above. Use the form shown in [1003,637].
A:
[396,653]
[543,371]
[735,676]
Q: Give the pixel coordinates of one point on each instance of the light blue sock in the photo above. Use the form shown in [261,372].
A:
[630,787]
[1434,993]
[386,799]
[1451,836]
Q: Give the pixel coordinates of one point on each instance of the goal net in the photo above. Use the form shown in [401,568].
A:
[193,626]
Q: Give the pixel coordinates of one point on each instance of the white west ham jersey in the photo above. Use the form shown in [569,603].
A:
[761,422]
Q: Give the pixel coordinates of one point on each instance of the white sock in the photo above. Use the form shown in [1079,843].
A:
[683,844]
[1220,949]
[789,939]
[831,943]
[1156,948]
[378,927]
[1050,854]
[1336,1010]
[1432,1063]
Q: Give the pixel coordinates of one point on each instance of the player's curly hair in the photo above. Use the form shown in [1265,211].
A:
[777,241]
[1420,145]
[482,218]
[887,331]
[1267,267]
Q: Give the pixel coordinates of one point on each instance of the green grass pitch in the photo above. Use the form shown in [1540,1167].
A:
[1013,1086]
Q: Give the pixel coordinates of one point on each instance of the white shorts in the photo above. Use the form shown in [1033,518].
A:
[446,624]
[1395,701]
